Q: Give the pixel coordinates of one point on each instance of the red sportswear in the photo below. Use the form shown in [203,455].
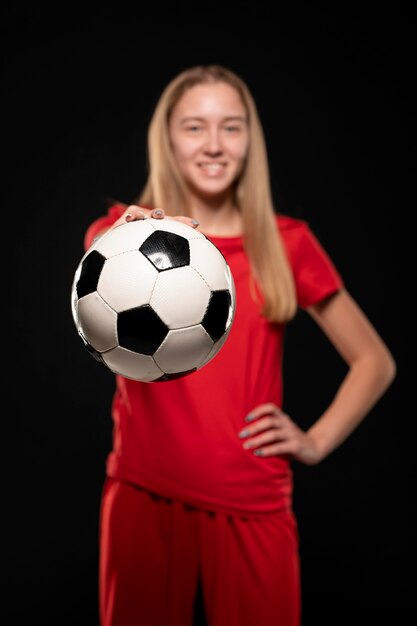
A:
[180,438]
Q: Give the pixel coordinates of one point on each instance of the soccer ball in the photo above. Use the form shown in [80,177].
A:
[153,300]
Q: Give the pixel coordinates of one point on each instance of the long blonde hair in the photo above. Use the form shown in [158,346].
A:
[165,188]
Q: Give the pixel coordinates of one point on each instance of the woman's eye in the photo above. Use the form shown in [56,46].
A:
[193,129]
[232,129]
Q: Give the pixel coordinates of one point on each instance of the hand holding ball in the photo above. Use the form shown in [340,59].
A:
[153,299]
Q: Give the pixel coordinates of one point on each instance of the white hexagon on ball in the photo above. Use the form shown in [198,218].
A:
[136,278]
[131,364]
[97,322]
[123,238]
[216,348]
[208,261]
[180,297]
[183,349]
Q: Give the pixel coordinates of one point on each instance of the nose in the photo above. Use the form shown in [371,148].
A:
[213,145]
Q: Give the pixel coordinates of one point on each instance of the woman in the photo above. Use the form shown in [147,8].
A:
[199,481]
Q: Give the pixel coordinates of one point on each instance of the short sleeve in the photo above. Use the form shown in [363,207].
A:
[315,273]
[102,223]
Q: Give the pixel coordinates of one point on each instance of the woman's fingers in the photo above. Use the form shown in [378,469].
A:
[267,436]
[271,432]
[135,212]
[158,214]
[132,213]
[189,221]
[276,422]
[268,424]
[263,409]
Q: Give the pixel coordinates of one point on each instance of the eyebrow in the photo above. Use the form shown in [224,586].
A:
[229,118]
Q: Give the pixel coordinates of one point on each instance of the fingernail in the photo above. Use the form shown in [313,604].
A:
[195,222]
[258,452]
[158,212]
[249,417]
[128,217]
[243,433]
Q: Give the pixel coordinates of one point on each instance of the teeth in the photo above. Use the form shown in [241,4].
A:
[213,167]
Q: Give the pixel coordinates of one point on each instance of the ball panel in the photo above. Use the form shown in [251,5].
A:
[97,322]
[132,365]
[216,348]
[209,262]
[232,291]
[74,298]
[88,274]
[180,297]
[135,281]
[167,377]
[123,238]
[183,349]
[96,355]
[217,314]
[166,250]
[141,330]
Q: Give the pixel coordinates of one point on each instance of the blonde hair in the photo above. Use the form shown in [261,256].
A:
[165,188]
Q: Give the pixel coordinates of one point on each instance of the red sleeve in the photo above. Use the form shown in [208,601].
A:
[102,223]
[315,274]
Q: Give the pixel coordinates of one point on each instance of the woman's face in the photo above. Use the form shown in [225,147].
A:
[209,136]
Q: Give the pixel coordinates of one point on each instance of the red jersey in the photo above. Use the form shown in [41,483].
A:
[180,438]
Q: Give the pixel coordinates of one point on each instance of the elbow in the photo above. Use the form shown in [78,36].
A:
[380,365]
[387,367]
[392,368]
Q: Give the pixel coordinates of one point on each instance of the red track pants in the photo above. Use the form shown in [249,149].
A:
[153,551]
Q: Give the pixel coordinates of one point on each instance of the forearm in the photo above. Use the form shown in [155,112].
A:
[362,387]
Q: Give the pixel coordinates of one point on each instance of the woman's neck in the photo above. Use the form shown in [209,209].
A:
[221,219]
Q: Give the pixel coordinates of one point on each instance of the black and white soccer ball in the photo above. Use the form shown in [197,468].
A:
[153,300]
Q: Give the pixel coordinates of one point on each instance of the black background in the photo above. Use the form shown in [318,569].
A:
[333,88]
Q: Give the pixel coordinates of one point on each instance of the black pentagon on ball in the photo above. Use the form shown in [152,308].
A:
[140,330]
[94,353]
[90,273]
[217,313]
[166,250]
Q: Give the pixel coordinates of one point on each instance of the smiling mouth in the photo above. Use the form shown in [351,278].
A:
[212,168]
